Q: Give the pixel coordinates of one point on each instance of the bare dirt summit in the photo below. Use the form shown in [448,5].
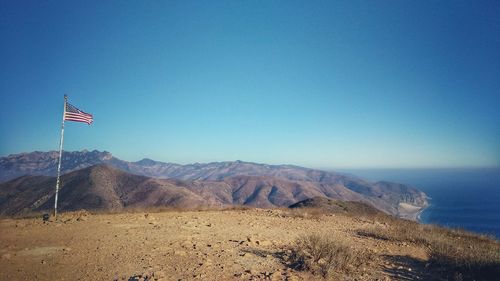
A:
[247,244]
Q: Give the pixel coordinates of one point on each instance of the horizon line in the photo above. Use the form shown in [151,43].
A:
[348,167]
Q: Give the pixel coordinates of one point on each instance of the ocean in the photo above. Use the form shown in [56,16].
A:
[460,198]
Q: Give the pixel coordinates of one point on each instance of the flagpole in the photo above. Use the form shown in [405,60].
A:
[60,157]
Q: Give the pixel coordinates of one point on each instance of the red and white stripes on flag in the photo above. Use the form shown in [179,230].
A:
[74,114]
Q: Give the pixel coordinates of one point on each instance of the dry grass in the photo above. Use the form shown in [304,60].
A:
[150,209]
[236,208]
[464,254]
[128,210]
[306,213]
[323,254]
[456,253]
[397,231]
[29,215]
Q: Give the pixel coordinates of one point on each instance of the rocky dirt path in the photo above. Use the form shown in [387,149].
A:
[198,245]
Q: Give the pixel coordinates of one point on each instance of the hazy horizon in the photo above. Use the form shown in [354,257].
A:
[342,169]
[326,85]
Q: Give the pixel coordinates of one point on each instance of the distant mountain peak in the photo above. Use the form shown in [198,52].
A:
[146,162]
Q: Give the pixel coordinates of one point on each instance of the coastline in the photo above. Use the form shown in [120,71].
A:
[477,190]
[411,212]
[419,215]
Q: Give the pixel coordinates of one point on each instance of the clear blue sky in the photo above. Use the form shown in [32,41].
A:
[333,84]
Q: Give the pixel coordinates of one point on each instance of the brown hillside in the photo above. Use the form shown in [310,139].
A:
[103,187]
[337,206]
[99,187]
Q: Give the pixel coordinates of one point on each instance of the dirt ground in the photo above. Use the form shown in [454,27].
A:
[195,245]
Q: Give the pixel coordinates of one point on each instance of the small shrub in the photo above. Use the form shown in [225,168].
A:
[322,254]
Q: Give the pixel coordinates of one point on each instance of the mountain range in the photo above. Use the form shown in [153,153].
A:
[97,180]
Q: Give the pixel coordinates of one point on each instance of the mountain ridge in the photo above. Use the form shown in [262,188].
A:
[45,163]
[216,183]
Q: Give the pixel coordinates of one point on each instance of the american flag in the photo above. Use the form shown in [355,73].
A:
[74,114]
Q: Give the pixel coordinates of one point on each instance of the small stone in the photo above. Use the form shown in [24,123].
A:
[180,253]
[265,243]
[276,277]
[253,271]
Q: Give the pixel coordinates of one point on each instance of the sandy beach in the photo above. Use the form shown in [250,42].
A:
[410,212]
